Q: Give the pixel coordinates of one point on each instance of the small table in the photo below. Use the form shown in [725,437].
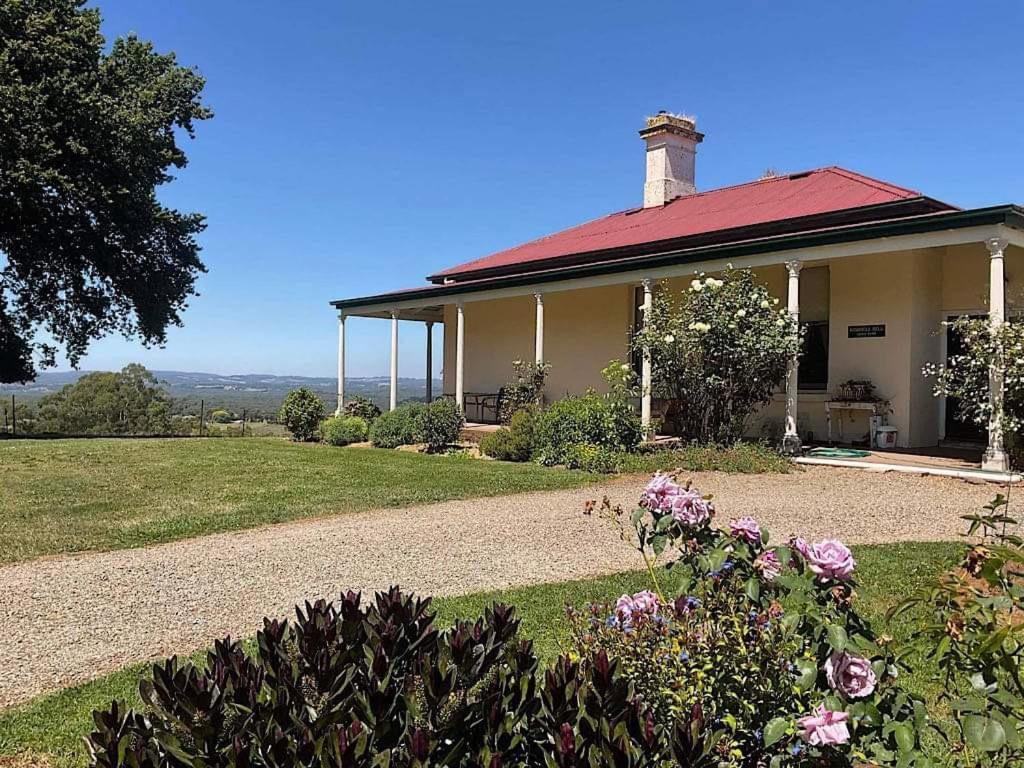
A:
[874,407]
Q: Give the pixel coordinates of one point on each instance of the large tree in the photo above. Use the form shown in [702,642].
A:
[87,135]
[130,402]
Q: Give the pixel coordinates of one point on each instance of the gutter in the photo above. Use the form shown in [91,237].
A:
[1009,215]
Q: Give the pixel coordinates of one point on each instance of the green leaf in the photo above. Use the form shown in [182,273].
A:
[904,736]
[984,733]
[775,730]
[753,589]
[837,638]
[808,674]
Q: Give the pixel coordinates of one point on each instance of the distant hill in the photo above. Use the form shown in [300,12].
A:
[260,395]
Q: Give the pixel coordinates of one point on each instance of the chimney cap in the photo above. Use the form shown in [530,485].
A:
[668,122]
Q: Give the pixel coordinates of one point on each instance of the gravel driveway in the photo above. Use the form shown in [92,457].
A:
[73,618]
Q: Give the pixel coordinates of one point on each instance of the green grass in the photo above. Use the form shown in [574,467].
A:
[745,458]
[55,724]
[59,496]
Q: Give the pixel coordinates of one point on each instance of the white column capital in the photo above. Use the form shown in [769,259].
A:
[793,267]
[996,246]
[647,283]
[539,297]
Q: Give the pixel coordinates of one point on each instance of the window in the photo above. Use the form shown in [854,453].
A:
[813,371]
[814,315]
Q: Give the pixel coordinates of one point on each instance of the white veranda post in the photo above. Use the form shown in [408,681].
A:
[341,363]
[394,360]
[995,456]
[791,438]
[645,370]
[538,344]
[430,360]
[460,348]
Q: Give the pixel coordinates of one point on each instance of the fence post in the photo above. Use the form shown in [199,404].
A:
[202,417]
[14,418]
[243,422]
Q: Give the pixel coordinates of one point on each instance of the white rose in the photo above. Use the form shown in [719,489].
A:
[765,304]
[741,313]
[696,285]
[669,339]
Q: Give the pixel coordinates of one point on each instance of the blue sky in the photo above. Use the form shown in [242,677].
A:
[357,147]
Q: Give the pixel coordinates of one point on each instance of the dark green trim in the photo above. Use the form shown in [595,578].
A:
[1010,215]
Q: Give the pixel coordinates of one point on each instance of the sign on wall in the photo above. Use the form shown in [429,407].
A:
[876,331]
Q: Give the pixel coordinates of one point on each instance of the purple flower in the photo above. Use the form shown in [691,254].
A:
[746,528]
[825,727]
[664,494]
[690,508]
[767,564]
[659,489]
[851,675]
[634,609]
[831,559]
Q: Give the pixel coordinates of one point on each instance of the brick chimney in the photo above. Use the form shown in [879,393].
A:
[671,150]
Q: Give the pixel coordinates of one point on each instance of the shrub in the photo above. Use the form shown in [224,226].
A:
[590,419]
[220,416]
[301,413]
[362,686]
[343,430]
[718,353]
[441,422]
[765,642]
[973,634]
[362,407]
[525,389]
[402,426]
[591,458]
[966,376]
[514,442]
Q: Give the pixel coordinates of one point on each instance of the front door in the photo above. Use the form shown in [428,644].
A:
[959,429]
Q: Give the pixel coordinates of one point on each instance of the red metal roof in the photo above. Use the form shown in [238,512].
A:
[773,199]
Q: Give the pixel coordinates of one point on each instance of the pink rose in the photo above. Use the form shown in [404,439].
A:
[746,528]
[635,609]
[767,564]
[691,509]
[831,559]
[660,489]
[825,727]
[851,675]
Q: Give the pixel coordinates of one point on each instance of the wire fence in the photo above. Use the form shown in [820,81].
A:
[19,419]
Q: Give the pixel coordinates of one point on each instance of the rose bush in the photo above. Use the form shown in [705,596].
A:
[765,640]
[974,636]
[719,350]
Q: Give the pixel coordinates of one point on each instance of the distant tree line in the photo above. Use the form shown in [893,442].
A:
[122,403]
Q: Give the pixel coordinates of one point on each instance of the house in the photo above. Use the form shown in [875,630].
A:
[871,269]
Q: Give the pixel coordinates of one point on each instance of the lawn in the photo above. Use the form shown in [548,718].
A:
[55,724]
[59,496]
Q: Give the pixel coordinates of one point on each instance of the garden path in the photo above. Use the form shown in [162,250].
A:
[73,618]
